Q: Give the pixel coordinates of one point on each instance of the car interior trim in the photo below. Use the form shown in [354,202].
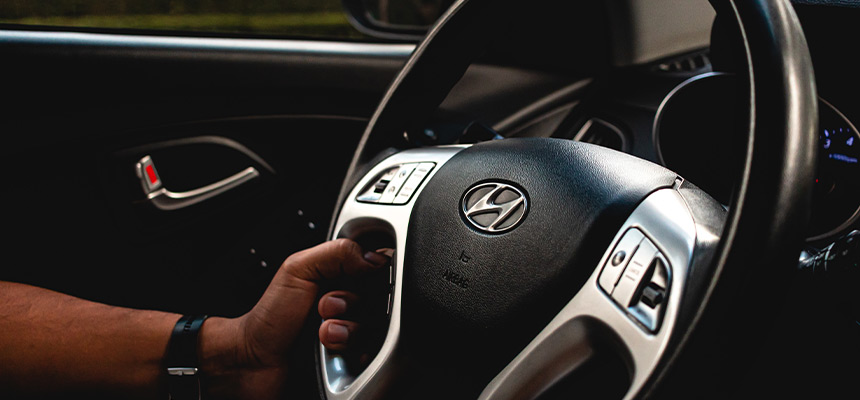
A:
[167,200]
[541,106]
[105,40]
[639,35]
[658,118]
[208,139]
[591,122]
[356,218]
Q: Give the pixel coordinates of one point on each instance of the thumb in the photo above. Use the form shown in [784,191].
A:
[331,260]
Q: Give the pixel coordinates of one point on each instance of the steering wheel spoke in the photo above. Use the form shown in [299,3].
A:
[614,312]
[373,209]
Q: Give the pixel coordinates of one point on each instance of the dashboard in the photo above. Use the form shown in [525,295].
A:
[837,193]
[684,111]
[692,138]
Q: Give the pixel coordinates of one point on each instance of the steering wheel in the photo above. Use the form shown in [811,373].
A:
[522,264]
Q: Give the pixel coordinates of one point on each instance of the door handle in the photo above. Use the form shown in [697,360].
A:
[167,200]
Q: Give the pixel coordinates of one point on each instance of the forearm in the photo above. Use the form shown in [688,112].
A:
[55,344]
[51,343]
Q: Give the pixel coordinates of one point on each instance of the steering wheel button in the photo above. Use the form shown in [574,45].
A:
[374,192]
[380,186]
[652,296]
[633,274]
[618,258]
[388,175]
[397,182]
[414,181]
[405,193]
[649,304]
[621,255]
[425,167]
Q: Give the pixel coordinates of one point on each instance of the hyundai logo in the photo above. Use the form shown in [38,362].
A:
[494,207]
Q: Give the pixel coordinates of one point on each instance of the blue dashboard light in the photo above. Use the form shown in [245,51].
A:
[843,158]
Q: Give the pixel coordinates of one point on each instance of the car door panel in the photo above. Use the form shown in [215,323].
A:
[83,225]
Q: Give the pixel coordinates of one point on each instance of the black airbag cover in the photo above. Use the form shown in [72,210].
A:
[465,290]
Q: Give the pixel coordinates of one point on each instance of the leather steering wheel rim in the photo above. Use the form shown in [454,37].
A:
[763,229]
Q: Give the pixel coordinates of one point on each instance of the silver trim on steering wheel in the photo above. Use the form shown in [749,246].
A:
[565,343]
[339,382]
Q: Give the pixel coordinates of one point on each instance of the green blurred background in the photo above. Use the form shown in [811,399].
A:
[287,18]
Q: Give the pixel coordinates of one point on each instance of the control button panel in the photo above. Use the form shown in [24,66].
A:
[397,184]
[621,255]
[411,185]
[632,277]
[375,191]
[636,277]
[650,300]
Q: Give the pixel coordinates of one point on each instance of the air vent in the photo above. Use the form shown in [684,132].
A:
[687,63]
[602,133]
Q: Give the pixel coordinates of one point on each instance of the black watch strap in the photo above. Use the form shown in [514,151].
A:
[183,375]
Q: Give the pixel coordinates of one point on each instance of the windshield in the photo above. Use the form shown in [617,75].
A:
[283,18]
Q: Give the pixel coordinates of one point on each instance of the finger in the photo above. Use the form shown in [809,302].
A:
[337,304]
[333,259]
[292,294]
[386,252]
[336,334]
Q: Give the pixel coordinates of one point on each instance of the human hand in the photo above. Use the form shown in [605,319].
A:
[246,357]
[352,315]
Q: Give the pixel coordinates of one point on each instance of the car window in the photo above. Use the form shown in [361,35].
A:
[283,18]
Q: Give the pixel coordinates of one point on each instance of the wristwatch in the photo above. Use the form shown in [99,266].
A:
[183,375]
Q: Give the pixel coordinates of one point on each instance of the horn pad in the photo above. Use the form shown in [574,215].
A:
[505,234]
